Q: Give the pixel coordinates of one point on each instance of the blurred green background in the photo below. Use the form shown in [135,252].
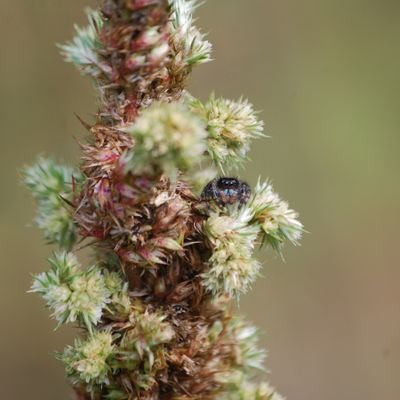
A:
[325,74]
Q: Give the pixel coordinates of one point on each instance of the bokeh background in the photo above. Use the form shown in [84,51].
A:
[325,75]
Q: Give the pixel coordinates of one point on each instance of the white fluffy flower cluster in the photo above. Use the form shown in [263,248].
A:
[150,326]
[277,221]
[231,126]
[239,387]
[188,43]
[140,344]
[249,357]
[82,50]
[261,391]
[265,219]
[51,186]
[87,360]
[232,266]
[74,294]
[168,138]
[119,299]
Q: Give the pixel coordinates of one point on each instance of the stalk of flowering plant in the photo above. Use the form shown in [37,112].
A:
[167,259]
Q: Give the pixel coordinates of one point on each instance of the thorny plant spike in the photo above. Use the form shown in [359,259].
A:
[154,306]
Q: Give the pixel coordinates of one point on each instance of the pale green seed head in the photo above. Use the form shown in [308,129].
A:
[278,222]
[168,138]
[87,362]
[72,293]
[82,51]
[51,186]
[189,46]
[231,127]
[232,266]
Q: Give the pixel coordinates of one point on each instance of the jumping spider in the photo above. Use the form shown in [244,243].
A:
[226,191]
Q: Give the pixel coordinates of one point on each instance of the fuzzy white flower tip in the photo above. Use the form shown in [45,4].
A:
[51,186]
[71,293]
[232,266]
[231,126]
[189,45]
[82,50]
[278,222]
[167,137]
[87,361]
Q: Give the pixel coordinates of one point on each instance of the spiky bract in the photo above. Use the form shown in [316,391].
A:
[72,293]
[52,187]
[241,389]
[88,361]
[83,50]
[232,266]
[231,127]
[188,43]
[278,222]
[168,138]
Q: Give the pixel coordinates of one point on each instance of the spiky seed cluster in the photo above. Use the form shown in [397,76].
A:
[52,187]
[278,222]
[88,361]
[188,44]
[168,138]
[154,308]
[120,303]
[141,350]
[231,126]
[74,294]
[248,356]
[233,237]
[240,389]
[233,268]
[248,362]
[83,50]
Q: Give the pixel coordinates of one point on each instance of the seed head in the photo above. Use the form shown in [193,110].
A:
[277,221]
[231,126]
[87,361]
[232,266]
[83,49]
[72,293]
[188,43]
[169,138]
[51,185]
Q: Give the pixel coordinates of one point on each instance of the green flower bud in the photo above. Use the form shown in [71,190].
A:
[87,361]
[232,266]
[71,293]
[277,221]
[83,49]
[188,43]
[51,186]
[168,138]
[231,126]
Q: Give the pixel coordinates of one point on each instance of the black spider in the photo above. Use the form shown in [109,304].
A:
[179,309]
[226,191]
